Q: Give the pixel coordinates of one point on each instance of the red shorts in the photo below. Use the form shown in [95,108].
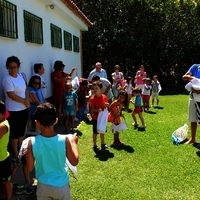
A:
[145,97]
[137,110]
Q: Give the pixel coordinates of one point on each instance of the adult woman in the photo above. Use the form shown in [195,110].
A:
[140,75]
[17,103]
[59,78]
[117,77]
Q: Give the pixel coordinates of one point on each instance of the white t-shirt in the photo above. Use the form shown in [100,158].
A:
[117,76]
[43,86]
[145,91]
[129,88]
[105,83]
[18,86]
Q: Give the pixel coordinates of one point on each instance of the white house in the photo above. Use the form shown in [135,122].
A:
[41,31]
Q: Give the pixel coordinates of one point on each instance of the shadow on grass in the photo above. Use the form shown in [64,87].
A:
[151,112]
[158,107]
[79,133]
[141,129]
[197,145]
[104,155]
[88,122]
[124,147]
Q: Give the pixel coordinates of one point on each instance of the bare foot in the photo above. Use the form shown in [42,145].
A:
[190,141]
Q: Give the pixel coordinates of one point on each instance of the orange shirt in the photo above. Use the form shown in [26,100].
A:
[98,102]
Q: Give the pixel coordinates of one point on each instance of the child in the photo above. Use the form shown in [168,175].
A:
[36,96]
[138,107]
[146,93]
[116,112]
[97,103]
[129,89]
[5,165]
[48,152]
[156,88]
[70,105]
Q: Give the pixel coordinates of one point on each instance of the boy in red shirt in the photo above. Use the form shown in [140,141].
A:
[97,103]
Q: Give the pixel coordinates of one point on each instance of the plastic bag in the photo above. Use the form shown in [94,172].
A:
[75,83]
[180,134]
[118,128]
[102,121]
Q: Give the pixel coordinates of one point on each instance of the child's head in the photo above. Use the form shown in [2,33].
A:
[45,114]
[84,84]
[136,91]
[95,78]
[96,87]
[123,97]
[68,87]
[2,111]
[129,79]
[35,82]
[155,78]
[148,81]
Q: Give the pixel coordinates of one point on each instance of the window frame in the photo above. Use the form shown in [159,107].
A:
[8,20]
[67,40]
[56,30]
[33,28]
[76,44]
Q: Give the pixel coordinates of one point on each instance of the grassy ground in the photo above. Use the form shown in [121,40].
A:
[149,166]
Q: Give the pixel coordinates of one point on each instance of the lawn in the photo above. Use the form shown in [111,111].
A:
[149,166]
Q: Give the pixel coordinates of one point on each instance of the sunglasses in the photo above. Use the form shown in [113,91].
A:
[36,83]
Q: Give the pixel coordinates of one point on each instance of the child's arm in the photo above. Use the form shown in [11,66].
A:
[3,130]
[72,149]
[29,157]
[114,112]
[76,105]
[34,98]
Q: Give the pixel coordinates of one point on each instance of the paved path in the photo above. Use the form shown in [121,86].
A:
[19,177]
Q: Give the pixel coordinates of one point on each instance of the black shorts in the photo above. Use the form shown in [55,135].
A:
[18,121]
[94,126]
[5,172]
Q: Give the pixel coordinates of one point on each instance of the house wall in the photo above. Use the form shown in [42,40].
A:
[30,53]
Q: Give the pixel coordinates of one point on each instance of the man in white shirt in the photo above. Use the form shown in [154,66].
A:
[97,71]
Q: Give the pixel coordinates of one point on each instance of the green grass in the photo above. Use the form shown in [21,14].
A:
[149,167]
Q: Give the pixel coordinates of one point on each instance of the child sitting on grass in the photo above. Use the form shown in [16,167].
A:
[97,103]
[5,164]
[138,107]
[116,113]
[47,152]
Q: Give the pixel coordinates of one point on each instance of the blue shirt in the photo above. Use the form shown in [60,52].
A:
[38,93]
[50,166]
[138,101]
[69,100]
[195,70]
[101,74]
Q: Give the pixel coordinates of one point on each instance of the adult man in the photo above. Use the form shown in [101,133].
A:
[194,71]
[97,71]
[106,87]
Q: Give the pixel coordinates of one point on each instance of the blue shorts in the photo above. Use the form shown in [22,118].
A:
[69,113]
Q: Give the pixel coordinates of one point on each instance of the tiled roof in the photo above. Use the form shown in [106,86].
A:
[74,8]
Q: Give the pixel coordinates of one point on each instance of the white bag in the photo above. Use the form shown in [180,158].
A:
[118,128]
[75,83]
[102,121]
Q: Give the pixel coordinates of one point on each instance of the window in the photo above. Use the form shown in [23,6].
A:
[76,43]
[8,19]
[33,28]
[56,36]
[67,41]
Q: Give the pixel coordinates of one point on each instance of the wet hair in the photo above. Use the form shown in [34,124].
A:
[37,66]
[117,67]
[95,78]
[12,59]
[123,93]
[2,108]
[137,90]
[45,114]
[32,79]
[97,83]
